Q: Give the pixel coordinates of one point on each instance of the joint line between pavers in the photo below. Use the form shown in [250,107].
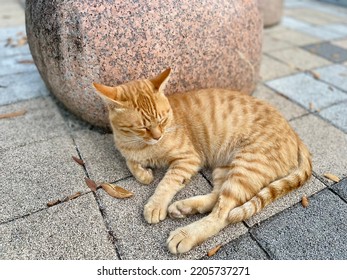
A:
[335,193]
[268,255]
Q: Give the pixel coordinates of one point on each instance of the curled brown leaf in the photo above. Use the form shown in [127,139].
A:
[13,114]
[53,202]
[116,191]
[91,184]
[78,160]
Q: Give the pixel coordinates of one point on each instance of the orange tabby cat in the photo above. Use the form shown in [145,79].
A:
[255,155]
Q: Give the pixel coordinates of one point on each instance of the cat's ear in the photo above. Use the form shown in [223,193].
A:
[110,95]
[161,80]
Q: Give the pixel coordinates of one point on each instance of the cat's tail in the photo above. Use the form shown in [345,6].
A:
[275,189]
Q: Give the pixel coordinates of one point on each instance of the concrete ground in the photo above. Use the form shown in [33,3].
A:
[303,73]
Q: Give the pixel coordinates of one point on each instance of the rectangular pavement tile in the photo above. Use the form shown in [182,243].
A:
[273,44]
[341,188]
[337,115]
[71,230]
[335,74]
[35,174]
[136,239]
[329,51]
[327,144]
[310,93]
[271,68]
[295,37]
[242,248]
[14,64]
[103,161]
[315,232]
[299,59]
[41,121]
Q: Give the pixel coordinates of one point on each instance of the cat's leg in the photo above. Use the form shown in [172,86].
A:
[177,176]
[143,175]
[234,192]
[202,203]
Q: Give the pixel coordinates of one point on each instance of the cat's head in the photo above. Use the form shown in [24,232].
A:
[139,112]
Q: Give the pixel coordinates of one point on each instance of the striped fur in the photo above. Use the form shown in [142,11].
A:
[255,155]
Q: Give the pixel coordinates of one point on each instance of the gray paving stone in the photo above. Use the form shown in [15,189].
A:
[299,59]
[22,86]
[307,91]
[41,122]
[328,51]
[242,248]
[71,230]
[289,109]
[337,115]
[138,240]
[6,51]
[273,44]
[295,37]
[12,65]
[271,68]
[335,74]
[293,23]
[103,161]
[310,188]
[35,174]
[11,32]
[341,188]
[315,232]
[327,144]
[326,33]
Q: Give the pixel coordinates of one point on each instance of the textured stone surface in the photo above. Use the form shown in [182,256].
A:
[138,240]
[35,174]
[102,160]
[334,74]
[272,68]
[271,10]
[315,232]
[23,86]
[307,91]
[341,188]
[337,115]
[41,121]
[212,45]
[71,230]
[299,58]
[242,248]
[328,51]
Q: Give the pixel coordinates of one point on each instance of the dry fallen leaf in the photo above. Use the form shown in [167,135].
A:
[332,177]
[53,202]
[91,184]
[26,61]
[22,41]
[78,160]
[315,75]
[311,106]
[116,191]
[304,201]
[13,114]
[73,196]
[214,250]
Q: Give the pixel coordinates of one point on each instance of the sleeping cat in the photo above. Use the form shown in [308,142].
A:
[255,155]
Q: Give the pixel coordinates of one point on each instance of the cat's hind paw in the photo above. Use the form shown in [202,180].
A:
[181,241]
[179,210]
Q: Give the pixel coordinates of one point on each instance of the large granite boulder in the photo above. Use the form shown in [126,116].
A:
[206,43]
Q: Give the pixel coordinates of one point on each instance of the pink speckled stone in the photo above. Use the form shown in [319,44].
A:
[272,11]
[206,43]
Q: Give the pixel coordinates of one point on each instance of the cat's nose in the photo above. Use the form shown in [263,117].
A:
[156,133]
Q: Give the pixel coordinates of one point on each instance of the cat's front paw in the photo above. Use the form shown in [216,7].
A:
[145,176]
[154,212]
[180,210]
